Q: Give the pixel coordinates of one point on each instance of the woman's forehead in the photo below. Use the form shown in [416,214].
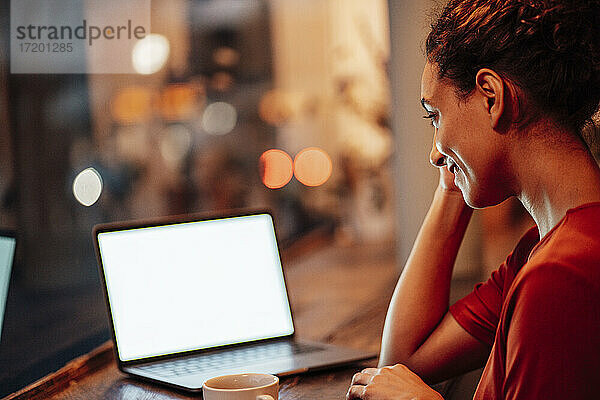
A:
[430,85]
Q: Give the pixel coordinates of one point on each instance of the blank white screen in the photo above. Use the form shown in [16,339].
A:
[194,285]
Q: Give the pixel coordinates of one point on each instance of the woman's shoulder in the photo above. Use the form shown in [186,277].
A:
[518,257]
[571,251]
[575,240]
[585,209]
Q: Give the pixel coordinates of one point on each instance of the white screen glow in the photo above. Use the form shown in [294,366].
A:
[194,285]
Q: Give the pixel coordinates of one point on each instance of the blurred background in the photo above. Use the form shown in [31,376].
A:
[240,104]
[305,107]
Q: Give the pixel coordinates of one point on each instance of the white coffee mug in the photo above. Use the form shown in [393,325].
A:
[242,387]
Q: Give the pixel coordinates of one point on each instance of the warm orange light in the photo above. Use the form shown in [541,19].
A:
[273,108]
[226,57]
[312,166]
[276,168]
[177,102]
[131,105]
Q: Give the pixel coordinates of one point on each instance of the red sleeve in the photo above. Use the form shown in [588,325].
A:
[553,338]
[479,312]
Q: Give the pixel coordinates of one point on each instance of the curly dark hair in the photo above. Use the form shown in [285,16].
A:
[550,49]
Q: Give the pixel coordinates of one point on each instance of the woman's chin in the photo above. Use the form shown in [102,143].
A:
[481,199]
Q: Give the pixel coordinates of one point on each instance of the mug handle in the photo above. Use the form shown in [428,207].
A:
[265,397]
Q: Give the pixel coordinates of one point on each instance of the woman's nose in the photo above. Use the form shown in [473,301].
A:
[436,158]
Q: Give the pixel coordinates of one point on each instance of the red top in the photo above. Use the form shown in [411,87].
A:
[540,312]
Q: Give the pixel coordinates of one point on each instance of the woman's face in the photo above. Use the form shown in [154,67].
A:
[465,141]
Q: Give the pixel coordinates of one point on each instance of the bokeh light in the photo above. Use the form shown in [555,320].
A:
[226,56]
[131,105]
[178,102]
[150,54]
[87,186]
[219,118]
[273,108]
[312,166]
[276,168]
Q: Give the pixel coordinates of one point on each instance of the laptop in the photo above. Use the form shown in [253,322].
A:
[8,243]
[191,298]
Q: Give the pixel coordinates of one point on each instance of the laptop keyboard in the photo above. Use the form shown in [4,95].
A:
[229,358]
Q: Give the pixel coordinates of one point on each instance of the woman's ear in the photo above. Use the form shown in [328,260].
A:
[492,90]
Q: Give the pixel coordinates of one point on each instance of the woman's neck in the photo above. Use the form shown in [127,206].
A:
[555,177]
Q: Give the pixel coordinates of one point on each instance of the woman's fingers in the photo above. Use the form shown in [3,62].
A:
[356,392]
[387,383]
[370,371]
[447,180]
[361,378]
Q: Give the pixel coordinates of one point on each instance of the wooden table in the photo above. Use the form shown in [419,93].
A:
[339,295]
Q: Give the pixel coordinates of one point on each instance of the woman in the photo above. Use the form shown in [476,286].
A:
[509,86]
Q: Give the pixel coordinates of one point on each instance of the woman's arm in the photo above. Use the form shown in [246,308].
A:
[420,337]
[422,294]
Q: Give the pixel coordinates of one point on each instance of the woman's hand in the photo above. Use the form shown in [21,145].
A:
[390,383]
[447,180]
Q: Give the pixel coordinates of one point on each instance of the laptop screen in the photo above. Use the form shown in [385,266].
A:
[194,285]
[7,252]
